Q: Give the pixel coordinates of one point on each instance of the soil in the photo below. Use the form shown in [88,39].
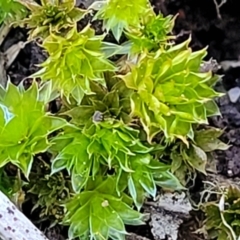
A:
[220,32]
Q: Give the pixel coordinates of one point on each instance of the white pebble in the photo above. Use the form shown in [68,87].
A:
[234,94]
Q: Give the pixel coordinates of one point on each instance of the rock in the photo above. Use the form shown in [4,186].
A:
[164,225]
[167,213]
[230,113]
[175,202]
[234,94]
[227,64]
[133,236]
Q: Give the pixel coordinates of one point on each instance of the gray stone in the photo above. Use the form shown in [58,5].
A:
[175,202]
[234,94]
[167,213]
[133,236]
[164,225]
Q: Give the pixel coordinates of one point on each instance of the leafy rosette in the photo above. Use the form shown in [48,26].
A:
[170,92]
[74,60]
[24,124]
[99,213]
[119,16]
[153,33]
[51,16]
[110,146]
[111,101]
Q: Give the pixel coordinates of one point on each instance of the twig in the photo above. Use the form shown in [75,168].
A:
[4,30]
[182,33]
[3,74]
[218,6]
[12,52]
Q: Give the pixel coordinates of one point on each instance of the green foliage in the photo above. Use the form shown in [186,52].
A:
[8,184]
[99,213]
[153,33]
[170,93]
[187,160]
[208,139]
[51,16]
[11,10]
[48,192]
[74,61]
[147,174]
[110,146]
[112,101]
[119,16]
[24,125]
[224,224]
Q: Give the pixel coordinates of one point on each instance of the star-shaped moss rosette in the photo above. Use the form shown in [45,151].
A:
[100,213]
[118,16]
[110,146]
[153,33]
[170,92]
[98,147]
[24,125]
[50,16]
[74,61]
[111,101]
